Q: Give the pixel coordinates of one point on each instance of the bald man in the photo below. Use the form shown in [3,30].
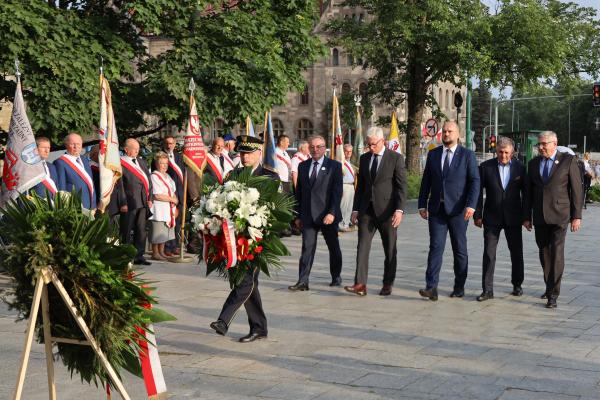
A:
[447,200]
[138,186]
[217,165]
[75,173]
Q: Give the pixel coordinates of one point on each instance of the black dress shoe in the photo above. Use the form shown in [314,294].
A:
[386,290]
[251,337]
[551,302]
[457,293]
[141,261]
[298,287]
[431,294]
[219,326]
[517,291]
[336,282]
[485,296]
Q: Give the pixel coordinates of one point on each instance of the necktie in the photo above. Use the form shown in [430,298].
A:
[546,171]
[374,167]
[222,162]
[133,160]
[446,163]
[79,161]
[313,175]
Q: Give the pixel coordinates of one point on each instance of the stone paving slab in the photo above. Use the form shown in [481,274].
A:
[326,344]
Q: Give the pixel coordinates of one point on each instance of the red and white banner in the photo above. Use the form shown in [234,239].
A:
[23,167]
[194,151]
[108,156]
[230,244]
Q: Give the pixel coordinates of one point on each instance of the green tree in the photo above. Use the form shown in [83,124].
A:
[481,113]
[244,57]
[412,44]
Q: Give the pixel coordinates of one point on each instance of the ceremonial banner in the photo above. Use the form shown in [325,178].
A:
[194,152]
[109,159]
[359,141]
[269,152]
[337,151]
[23,167]
[249,127]
[394,137]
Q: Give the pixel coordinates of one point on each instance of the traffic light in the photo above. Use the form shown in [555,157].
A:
[596,95]
[492,143]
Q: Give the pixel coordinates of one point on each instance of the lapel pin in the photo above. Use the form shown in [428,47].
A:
[556,162]
[322,168]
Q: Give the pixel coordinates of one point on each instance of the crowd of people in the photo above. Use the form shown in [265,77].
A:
[333,197]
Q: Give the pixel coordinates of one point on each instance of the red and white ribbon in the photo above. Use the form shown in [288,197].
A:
[230,245]
[150,362]
[138,173]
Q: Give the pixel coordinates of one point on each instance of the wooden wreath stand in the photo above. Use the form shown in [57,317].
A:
[45,277]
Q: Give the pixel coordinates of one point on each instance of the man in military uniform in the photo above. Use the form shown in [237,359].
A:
[246,293]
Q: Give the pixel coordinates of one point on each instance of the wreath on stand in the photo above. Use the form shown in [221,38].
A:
[94,268]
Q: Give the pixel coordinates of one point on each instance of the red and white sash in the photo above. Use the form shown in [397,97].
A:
[82,173]
[349,168]
[50,185]
[171,205]
[215,167]
[228,159]
[300,157]
[138,173]
[230,243]
[176,168]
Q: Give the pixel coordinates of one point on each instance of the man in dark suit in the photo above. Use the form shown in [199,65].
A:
[246,292]
[175,171]
[75,173]
[50,182]
[318,197]
[504,180]
[555,200]
[447,199]
[138,186]
[378,206]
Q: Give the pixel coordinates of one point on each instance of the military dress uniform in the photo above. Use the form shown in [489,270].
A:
[246,293]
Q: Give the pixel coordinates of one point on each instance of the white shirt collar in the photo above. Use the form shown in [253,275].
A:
[452,149]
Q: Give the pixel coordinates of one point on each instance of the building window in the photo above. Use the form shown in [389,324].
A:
[219,128]
[447,99]
[363,90]
[304,96]
[346,88]
[335,59]
[350,59]
[305,129]
[278,128]
[452,99]
[440,99]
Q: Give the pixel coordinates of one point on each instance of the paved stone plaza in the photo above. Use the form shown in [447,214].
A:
[327,344]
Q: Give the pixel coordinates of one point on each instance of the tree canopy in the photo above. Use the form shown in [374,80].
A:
[243,55]
[410,45]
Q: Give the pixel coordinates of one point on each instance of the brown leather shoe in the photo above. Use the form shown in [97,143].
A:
[386,290]
[358,289]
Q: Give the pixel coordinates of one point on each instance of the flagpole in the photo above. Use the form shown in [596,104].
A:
[181,258]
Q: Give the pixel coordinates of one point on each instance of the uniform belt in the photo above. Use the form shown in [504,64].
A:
[352,183]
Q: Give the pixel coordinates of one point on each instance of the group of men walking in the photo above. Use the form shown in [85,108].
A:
[499,195]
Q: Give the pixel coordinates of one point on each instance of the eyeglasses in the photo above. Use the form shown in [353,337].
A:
[320,146]
[374,144]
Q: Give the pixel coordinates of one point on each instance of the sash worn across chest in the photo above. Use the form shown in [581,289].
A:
[138,173]
[215,168]
[176,168]
[79,170]
[349,168]
[284,160]
[171,206]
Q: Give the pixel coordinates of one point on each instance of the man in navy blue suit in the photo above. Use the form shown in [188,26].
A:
[75,172]
[50,182]
[318,197]
[447,199]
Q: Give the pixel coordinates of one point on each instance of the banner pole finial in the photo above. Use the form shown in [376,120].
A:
[17,70]
[192,86]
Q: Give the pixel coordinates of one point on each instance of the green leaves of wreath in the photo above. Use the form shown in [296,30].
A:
[94,269]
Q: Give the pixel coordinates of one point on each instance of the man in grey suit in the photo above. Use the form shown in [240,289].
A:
[378,206]
[318,197]
[555,200]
